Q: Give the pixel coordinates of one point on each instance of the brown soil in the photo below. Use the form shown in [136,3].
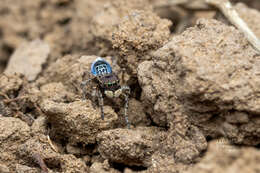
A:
[194,79]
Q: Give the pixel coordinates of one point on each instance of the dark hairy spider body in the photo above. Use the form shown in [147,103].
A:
[108,84]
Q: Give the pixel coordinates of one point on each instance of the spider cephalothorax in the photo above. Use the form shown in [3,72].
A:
[107,84]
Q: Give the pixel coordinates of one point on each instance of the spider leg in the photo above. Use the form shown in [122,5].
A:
[94,97]
[126,93]
[126,110]
[126,89]
[101,103]
[123,75]
[83,87]
[85,73]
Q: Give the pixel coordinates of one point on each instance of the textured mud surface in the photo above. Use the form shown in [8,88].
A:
[194,79]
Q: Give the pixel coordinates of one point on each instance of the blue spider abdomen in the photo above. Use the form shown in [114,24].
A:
[100,67]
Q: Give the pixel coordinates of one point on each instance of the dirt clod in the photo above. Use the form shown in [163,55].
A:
[13,132]
[28,59]
[204,75]
[137,34]
[78,121]
[222,157]
[98,167]
[131,147]
[194,104]
[56,161]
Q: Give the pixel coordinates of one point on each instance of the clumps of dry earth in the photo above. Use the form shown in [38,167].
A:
[195,101]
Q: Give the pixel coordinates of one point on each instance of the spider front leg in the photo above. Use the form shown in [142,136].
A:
[97,94]
[83,88]
[126,92]
[101,103]
[84,84]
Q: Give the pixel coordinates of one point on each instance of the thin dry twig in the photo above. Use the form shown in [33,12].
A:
[189,4]
[177,2]
[37,157]
[54,148]
[231,14]
[51,144]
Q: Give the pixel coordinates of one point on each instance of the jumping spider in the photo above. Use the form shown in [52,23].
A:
[107,84]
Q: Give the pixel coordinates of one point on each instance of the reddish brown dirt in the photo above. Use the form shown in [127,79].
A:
[194,79]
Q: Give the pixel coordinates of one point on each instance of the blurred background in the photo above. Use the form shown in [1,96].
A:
[82,26]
